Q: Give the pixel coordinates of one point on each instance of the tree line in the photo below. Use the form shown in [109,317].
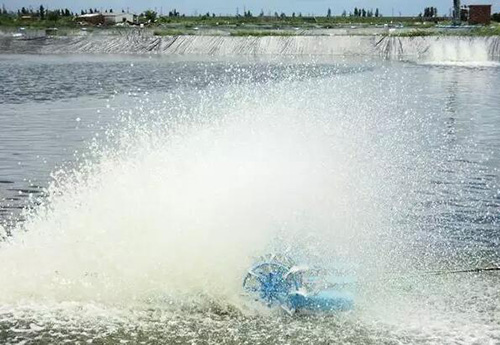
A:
[429,12]
[43,13]
[361,12]
[92,11]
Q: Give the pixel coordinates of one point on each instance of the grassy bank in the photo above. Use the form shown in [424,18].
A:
[15,22]
[485,31]
[217,21]
[173,32]
[254,33]
[267,26]
[273,21]
[480,31]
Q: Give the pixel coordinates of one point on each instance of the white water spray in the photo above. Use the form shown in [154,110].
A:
[459,52]
[179,214]
[443,50]
[195,183]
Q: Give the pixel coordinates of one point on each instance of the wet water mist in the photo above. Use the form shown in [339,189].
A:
[165,211]
[190,193]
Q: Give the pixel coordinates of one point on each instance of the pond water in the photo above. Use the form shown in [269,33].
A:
[135,192]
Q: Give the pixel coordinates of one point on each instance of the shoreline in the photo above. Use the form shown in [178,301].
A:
[354,29]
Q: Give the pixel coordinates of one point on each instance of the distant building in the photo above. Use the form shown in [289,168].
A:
[116,18]
[479,14]
[106,18]
[91,18]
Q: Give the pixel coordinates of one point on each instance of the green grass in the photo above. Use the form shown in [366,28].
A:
[14,21]
[493,30]
[480,31]
[172,32]
[254,33]
[189,22]
[414,33]
[278,21]
[265,26]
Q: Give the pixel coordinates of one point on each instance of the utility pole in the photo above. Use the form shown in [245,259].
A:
[456,12]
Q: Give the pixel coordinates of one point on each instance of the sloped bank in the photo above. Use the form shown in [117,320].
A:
[429,47]
[435,48]
[194,45]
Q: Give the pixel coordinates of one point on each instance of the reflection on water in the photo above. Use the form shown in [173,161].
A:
[470,194]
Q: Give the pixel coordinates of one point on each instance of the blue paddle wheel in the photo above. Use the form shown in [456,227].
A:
[276,281]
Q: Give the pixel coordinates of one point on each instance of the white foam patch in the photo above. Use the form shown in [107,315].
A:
[437,310]
[471,53]
[179,215]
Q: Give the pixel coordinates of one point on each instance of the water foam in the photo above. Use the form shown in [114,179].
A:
[178,208]
[446,51]
[463,53]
